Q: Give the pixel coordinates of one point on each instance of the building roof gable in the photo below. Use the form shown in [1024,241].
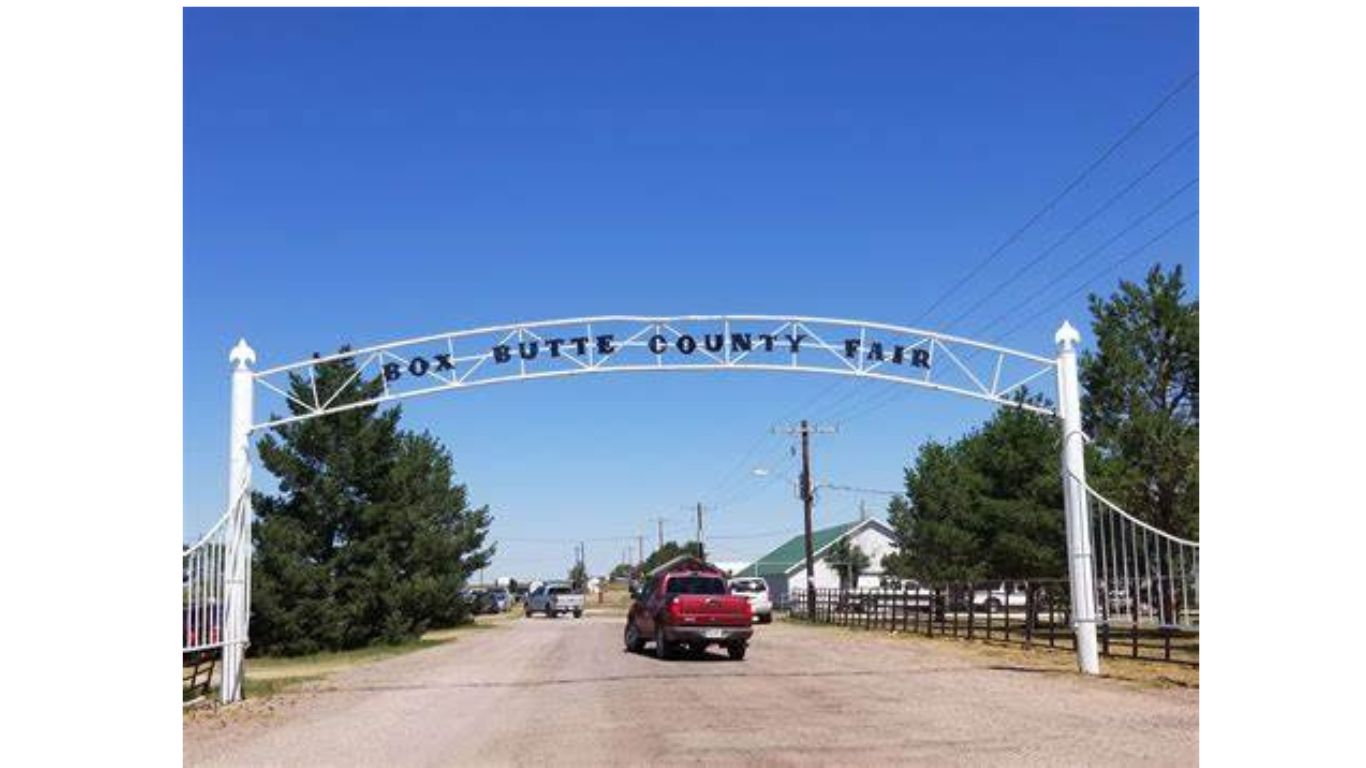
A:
[792,553]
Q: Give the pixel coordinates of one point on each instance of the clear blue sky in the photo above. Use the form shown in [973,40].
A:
[358,176]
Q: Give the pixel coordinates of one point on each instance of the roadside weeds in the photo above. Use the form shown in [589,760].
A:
[1013,657]
[271,679]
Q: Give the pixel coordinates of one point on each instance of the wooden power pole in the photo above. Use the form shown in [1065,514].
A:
[701,555]
[808,499]
[808,493]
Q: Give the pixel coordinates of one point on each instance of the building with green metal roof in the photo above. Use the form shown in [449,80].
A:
[785,567]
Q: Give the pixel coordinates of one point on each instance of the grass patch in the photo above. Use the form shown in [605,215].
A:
[318,665]
[327,662]
[1040,658]
[268,676]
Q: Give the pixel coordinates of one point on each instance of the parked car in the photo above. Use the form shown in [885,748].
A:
[499,600]
[690,609]
[473,599]
[756,592]
[1000,595]
[554,599]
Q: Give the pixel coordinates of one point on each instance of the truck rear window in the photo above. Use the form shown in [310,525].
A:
[695,585]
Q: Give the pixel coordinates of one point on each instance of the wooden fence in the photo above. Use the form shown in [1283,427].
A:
[1029,613]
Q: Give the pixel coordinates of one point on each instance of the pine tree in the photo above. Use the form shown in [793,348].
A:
[1142,399]
[988,505]
[368,538]
[848,561]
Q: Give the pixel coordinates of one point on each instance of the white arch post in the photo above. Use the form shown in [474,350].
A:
[237,596]
[1080,568]
[545,349]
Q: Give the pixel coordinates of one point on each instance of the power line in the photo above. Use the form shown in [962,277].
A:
[865,402]
[1107,270]
[1093,253]
[732,483]
[565,540]
[1114,146]
[1078,226]
[855,489]
[759,535]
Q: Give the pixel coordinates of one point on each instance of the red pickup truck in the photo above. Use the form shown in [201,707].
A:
[689,609]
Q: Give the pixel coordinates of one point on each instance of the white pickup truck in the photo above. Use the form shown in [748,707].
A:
[554,599]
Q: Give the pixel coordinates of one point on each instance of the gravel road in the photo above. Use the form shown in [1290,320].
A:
[563,692]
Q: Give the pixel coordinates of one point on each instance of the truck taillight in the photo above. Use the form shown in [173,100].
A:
[675,609]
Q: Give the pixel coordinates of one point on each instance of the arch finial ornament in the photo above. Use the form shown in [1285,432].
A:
[242,356]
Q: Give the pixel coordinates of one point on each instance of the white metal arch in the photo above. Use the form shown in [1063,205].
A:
[634,343]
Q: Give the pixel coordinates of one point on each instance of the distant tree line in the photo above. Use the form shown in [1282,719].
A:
[368,538]
[988,505]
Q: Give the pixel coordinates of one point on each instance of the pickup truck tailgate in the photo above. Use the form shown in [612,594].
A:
[710,610]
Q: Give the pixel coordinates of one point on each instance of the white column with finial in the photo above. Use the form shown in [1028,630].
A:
[237,558]
[1080,566]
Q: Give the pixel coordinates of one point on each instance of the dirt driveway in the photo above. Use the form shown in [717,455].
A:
[563,692]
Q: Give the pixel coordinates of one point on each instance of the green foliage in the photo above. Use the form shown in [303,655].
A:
[986,506]
[850,561]
[623,571]
[669,551]
[1142,400]
[578,576]
[368,538]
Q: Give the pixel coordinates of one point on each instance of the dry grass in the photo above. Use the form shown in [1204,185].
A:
[320,665]
[1038,658]
[268,676]
[614,598]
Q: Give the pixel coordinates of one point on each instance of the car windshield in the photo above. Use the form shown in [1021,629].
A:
[696,585]
[747,586]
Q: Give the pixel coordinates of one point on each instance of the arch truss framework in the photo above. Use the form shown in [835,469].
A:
[621,344]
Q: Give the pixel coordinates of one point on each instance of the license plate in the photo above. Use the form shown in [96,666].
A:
[715,634]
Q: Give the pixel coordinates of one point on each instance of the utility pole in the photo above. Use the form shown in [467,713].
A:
[640,550]
[808,500]
[660,522]
[701,555]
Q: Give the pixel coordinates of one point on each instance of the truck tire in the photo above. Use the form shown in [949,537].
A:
[578,613]
[662,650]
[736,651]
[549,612]
[634,642]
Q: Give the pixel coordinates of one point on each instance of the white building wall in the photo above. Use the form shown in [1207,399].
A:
[874,543]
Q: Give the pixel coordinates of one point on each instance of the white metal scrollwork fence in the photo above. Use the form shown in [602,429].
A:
[206,570]
[1146,577]
[203,566]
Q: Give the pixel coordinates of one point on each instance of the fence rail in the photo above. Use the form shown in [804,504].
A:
[1028,613]
[203,566]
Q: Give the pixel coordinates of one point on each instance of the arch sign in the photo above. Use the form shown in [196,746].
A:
[624,344]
